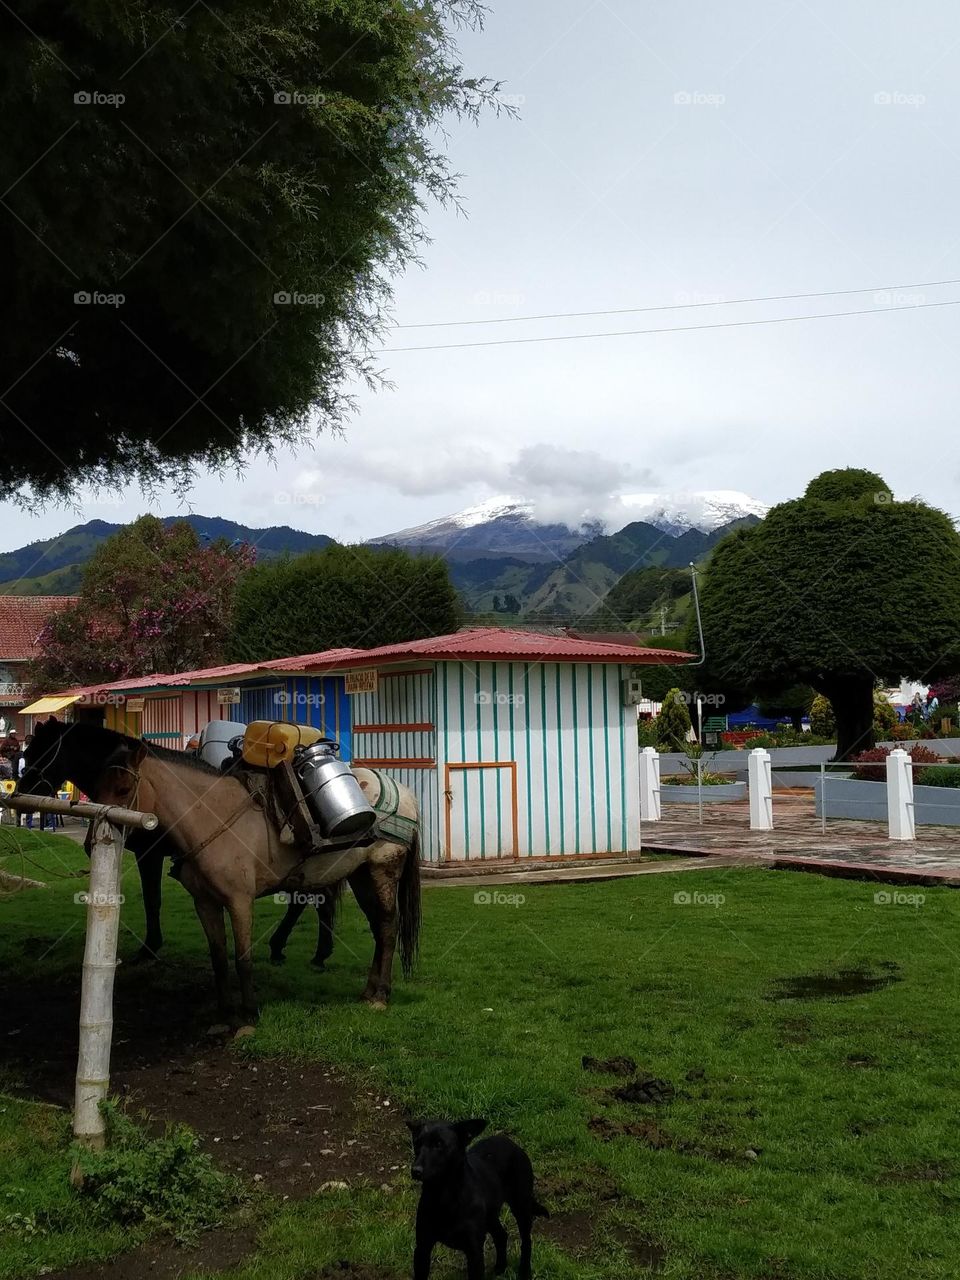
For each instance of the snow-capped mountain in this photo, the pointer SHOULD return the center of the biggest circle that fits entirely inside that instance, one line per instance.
(508, 524)
(706, 509)
(501, 526)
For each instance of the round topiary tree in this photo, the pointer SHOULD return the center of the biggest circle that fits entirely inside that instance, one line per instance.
(816, 593)
(673, 722)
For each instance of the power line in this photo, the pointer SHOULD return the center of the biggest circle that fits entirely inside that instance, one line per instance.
(680, 306)
(684, 328)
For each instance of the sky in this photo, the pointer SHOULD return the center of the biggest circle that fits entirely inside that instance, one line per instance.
(664, 154)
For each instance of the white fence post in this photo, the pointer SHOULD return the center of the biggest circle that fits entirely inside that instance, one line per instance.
(650, 784)
(761, 790)
(901, 820)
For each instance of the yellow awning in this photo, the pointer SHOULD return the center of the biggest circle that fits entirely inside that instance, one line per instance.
(46, 706)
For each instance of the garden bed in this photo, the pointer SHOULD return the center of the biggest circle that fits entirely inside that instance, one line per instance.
(687, 793)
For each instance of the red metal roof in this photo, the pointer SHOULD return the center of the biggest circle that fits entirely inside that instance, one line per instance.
(483, 644)
(477, 644)
(22, 618)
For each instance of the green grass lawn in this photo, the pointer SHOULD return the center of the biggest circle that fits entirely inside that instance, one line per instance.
(848, 1103)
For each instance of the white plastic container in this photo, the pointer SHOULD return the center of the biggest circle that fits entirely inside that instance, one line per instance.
(214, 739)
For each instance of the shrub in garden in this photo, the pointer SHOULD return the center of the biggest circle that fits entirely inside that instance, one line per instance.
(871, 766)
(885, 719)
(673, 722)
(822, 721)
(942, 775)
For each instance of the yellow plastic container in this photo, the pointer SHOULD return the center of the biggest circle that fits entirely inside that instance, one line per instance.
(267, 742)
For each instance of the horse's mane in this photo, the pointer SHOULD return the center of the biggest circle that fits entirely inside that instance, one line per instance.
(178, 757)
(189, 760)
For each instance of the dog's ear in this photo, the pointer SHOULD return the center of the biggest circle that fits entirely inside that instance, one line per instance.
(415, 1127)
(467, 1130)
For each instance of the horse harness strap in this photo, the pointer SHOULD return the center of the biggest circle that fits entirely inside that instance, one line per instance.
(250, 800)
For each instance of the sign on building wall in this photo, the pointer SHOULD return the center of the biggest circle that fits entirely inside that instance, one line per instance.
(228, 697)
(134, 706)
(361, 681)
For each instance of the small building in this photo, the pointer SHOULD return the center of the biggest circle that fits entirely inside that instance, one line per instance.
(22, 618)
(517, 744)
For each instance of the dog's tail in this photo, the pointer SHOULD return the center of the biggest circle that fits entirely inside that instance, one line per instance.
(538, 1210)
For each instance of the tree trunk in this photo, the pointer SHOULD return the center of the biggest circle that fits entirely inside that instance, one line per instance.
(852, 702)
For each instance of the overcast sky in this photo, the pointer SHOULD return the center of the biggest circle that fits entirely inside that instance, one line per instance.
(666, 153)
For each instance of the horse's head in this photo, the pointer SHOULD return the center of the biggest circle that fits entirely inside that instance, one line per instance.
(120, 783)
(103, 764)
(40, 759)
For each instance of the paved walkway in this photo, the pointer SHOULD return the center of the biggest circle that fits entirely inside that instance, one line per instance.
(847, 847)
(585, 872)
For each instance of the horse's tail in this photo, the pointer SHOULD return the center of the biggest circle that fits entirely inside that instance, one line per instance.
(408, 905)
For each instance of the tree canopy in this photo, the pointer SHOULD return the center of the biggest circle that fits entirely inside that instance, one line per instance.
(341, 596)
(154, 598)
(202, 212)
(840, 589)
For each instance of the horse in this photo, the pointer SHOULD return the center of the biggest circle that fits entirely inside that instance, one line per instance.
(230, 853)
(150, 848)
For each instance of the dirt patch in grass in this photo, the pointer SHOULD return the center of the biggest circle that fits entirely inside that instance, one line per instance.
(287, 1127)
(641, 1250)
(647, 1091)
(659, 1139)
(795, 1031)
(165, 1260)
(572, 1231)
(920, 1173)
(650, 1134)
(833, 986)
(619, 1066)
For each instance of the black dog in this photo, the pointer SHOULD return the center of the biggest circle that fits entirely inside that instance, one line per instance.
(464, 1191)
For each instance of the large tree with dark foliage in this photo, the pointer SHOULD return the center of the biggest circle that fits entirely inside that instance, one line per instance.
(840, 589)
(202, 209)
(341, 596)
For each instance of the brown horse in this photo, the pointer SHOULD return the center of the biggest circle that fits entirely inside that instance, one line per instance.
(231, 854)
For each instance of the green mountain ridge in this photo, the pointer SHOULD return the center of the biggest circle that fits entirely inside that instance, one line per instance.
(54, 566)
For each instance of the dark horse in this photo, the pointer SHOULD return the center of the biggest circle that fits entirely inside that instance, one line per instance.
(229, 853)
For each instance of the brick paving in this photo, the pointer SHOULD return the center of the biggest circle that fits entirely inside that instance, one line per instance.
(848, 847)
